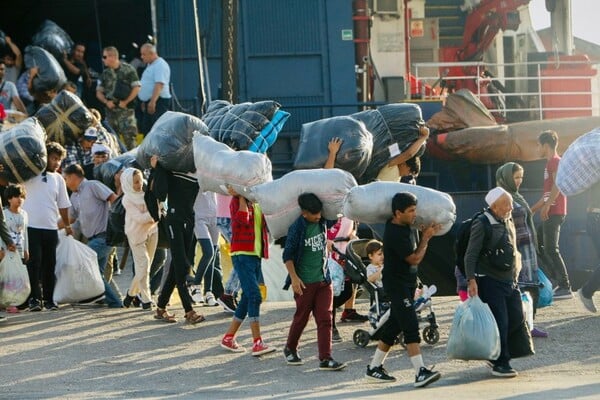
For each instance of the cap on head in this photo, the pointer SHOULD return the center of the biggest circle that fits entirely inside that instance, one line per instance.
(90, 134)
(493, 195)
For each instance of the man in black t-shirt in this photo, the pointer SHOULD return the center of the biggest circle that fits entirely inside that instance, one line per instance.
(403, 251)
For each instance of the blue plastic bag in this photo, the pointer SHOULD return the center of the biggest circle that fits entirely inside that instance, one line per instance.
(474, 334)
(336, 272)
(546, 294)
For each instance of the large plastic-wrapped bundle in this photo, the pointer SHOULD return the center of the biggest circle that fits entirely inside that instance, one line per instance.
(53, 38)
(245, 126)
(354, 154)
(171, 139)
(279, 198)
(579, 168)
(23, 151)
(105, 172)
(372, 204)
(65, 118)
(394, 125)
(218, 165)
(50, 75)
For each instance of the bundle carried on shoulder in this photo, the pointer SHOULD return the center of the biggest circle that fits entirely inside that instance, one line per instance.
(279, 199)
(245, 126)
(77, 272)
(106, 172)
(579, 167)
(395, 125)
(372, 204)
(53, 38)
(65, 118)
(354, 154)
(50, 75)
(23, 151)
(171, 139)
(218, 165)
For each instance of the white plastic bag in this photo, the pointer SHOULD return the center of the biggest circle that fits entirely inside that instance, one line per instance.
(77, 272)
(279, 199)
(527, 308)
(372, 203)
(336, 272)
(217, 164)
(474, 334)
(14, 280)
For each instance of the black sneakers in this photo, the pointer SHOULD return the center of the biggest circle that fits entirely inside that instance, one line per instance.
(50, 306)
(335, 336)
(426, 376)
(227, 302)
(350, 315)
(35, 305)
(379, 374)
(292, 357)
(504, 371)
(331, 365)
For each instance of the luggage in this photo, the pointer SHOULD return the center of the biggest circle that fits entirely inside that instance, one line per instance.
(579, 167)
(217, 165)
(23, 151)
(53, 38)
(171, 139)
(77, 272)
(279, 199)
(65, 118)
(245, 126)
(372, 204)
(354, 154)
(105, 172)
(474, 334)
(50, 74)
(14, 280)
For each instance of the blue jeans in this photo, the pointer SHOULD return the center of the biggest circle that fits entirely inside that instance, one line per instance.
(98, 244)
(248, 270)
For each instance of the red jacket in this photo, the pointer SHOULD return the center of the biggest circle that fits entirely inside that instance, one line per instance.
(243, 237)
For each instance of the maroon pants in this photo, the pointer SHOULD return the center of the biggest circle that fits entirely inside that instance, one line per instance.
(318, 299)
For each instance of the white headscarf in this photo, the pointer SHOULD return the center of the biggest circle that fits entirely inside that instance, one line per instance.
(127, 187)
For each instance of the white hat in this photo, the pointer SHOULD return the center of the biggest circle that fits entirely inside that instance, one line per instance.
(100, 148)
(493, 195)
(91, 133)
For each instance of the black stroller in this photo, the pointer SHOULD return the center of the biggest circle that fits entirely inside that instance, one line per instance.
(355, 269)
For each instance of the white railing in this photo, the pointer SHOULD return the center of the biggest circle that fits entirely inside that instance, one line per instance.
(535, 102)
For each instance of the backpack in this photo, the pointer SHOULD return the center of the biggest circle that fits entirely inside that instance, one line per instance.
(463, 234)
(115, 229)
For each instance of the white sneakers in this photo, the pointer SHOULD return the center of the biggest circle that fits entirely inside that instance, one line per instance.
(210, 300)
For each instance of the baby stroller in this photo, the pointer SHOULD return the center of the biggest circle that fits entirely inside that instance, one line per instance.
(355, 269)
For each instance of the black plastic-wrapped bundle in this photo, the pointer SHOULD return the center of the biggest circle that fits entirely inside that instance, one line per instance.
(23, 151)
(50, 74)
(171, 139)
(65, 118)
(53, 38)
(106, 172)
(239, 125)
(390, 124)
(354, 154)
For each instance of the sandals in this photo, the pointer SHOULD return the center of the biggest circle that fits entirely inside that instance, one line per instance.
(164, 315)
(193, 317)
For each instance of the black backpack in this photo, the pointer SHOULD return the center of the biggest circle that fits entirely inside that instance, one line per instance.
(463, 234)
(115, 230)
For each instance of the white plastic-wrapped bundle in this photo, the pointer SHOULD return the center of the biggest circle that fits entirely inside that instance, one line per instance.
(279, 199)
(217, 165)
(372, 204)
(579, 167)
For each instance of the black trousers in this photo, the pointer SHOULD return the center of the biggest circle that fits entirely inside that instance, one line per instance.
(162, 106)
(42, 263)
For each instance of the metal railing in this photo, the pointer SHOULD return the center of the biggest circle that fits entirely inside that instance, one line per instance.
(528, 95)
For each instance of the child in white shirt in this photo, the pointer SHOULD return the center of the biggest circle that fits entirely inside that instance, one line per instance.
(374, 251)
(16, 220)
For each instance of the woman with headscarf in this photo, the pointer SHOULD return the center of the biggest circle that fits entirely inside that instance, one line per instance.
(142, 235)
(509, 177)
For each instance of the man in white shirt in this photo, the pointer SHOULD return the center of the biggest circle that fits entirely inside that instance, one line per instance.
(154, 93)
(47, 200)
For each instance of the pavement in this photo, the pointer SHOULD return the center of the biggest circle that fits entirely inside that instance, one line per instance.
(101, 353)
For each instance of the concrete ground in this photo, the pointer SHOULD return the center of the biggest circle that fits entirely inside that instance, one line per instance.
(98, 353)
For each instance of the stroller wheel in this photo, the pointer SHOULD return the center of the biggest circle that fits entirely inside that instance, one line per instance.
(361, 338)
(431, 335)
(400, 340)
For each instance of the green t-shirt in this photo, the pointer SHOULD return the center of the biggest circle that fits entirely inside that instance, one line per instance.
(310, 269)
